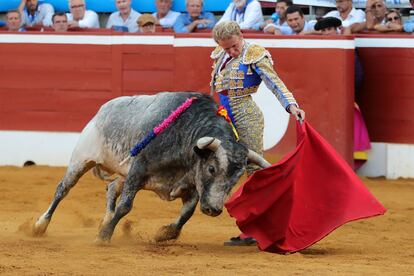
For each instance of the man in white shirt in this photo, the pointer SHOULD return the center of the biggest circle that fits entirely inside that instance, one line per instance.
(80, 17)
(347, 13)
(34, 13)
(164, 15)
(125, 18)
(375, 15)
(297, 25)
(247, 13)
(376, 10)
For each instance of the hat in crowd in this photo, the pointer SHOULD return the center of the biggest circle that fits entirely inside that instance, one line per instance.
(146, 19)
(327, 22)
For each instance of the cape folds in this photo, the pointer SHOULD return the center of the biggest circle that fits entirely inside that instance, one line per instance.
(301, 199)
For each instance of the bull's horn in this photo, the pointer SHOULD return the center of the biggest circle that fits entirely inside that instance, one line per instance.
(209, 143)
(255, 158)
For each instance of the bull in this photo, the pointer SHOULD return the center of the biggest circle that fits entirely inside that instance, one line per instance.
(196, 158)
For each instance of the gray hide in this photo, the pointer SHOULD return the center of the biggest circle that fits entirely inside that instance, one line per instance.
(172, 165)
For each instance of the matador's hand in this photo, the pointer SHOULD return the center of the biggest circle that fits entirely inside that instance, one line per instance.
(297, 112)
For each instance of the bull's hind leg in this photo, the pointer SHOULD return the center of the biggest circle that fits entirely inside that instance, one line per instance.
(72, 175)
(172, 231)
(113, 191)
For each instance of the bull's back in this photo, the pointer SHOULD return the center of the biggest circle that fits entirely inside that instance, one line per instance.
(126, 120)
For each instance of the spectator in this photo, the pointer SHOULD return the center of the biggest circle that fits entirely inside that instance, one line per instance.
(146, 23)
(296, 23)
(347, 13)
(328, 25)
(35, 14)
(375, 13)
(247, 13)
(14, 21)
(2, 24)
(320, 12)
(60, 22)
(80, 17)
(393, 22)
(279, 17)
(164, 15)
(125, 19)
(194, 19)
(409, 25)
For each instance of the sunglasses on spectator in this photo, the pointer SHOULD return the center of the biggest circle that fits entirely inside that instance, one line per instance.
(395, 18)
(77, 6)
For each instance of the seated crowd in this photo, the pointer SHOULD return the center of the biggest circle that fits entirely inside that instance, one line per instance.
(288, 19)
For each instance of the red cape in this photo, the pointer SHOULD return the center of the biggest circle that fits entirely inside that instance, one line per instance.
(301, 199)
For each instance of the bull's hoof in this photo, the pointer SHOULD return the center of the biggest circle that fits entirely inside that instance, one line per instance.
(101, 241)
(105, 221)
(40, 226)
(167, 232)
(103, 238)
(104, 235)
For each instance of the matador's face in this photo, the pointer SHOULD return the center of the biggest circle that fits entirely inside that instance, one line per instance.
(233, 46)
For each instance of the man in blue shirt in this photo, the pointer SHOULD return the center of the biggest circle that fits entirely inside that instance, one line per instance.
(409, 25)
(194, 18)
(34, 13)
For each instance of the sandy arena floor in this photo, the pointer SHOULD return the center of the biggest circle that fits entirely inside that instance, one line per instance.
(378, 246)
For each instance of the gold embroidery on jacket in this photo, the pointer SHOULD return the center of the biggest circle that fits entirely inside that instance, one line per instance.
(254, 53)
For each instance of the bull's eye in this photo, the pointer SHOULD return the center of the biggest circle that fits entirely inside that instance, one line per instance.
(211, 170)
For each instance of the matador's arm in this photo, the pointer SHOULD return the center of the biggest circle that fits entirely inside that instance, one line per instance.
(265, 70)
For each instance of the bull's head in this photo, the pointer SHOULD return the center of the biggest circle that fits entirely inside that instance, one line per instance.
(220, 167)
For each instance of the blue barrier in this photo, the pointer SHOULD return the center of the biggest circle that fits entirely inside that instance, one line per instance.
(109, 5)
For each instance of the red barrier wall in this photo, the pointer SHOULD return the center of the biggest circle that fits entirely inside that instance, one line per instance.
(58, 86)
(387, 98)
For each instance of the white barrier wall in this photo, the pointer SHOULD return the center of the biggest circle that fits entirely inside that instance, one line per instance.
(43, 148)
(389, 160)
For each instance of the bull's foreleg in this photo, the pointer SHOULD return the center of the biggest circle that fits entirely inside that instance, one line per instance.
(133, 183)
(172, 231)
(114, 189)
(70, 179)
